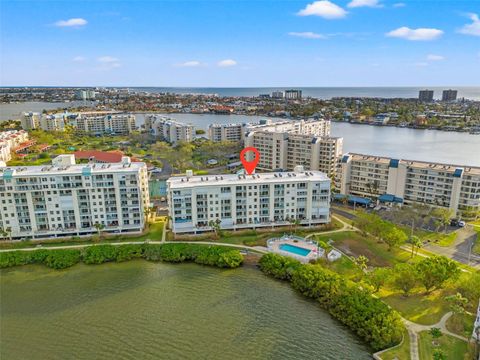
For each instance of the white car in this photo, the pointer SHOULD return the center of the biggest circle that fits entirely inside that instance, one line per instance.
(461, 223)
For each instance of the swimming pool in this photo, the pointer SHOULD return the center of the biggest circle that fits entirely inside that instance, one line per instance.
(294, 249)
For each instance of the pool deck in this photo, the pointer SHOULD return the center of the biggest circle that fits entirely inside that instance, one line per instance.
(274, 244)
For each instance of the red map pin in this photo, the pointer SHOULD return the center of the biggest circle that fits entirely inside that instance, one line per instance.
(249, 165)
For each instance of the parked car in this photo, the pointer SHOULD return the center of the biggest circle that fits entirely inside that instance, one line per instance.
(461, 223)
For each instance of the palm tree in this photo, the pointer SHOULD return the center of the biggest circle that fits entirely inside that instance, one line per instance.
(3, 233)
(99, 227)
(415, 242)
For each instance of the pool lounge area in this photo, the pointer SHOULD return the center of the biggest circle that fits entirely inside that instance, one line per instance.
(297, 247)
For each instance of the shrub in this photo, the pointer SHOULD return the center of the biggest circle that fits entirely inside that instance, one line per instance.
(367, 316)
(61, 259)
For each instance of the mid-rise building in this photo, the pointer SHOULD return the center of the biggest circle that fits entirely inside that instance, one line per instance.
(293, 94)
(10, 140)
(54, 122)
(277, 94)
(97, 122)
(100, 122)
(30, 120)
(85, 95)
(451, 186)
(226, 132)
(449, 95)
(425, 95)
(168, 129)
(65, 199)
(284, 145)
(248, 201)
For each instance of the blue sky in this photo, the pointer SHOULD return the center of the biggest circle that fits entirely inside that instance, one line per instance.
(240, 43)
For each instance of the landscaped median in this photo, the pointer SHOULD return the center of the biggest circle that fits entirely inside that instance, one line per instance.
(211, 255)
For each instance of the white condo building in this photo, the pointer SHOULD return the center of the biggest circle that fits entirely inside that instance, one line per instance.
(65, 199)
(452, 186)
(9, 141)
(226, 132)
(97, 122)
(168, 129)
(282, 146)
(248, 201)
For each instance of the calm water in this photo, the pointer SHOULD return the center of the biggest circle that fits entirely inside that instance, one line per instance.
(411, 144)
(141, 310)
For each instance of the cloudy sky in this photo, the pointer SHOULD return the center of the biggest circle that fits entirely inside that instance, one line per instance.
(240, 43)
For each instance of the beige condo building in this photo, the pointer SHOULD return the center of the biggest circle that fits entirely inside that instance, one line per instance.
(456, 187)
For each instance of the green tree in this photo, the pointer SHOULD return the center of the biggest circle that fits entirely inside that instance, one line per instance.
(457, 303)
(405, 278)
(215, 225)
(99, 227)
(435, 270)
(362, 262)
(378, 278)
(443, 215)
(394, 237)
(435, 332)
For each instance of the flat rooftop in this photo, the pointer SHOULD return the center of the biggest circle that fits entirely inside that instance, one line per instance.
(469, 170)
(78, 169)
(231, 179)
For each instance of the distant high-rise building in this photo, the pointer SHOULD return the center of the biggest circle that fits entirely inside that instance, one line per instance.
(277, 95)
(449, 95)
(293, 94)
(85, 95)
(425, 95)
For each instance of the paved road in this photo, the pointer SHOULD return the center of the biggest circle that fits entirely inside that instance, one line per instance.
(460, 250)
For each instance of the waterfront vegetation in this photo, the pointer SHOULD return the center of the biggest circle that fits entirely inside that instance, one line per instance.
(97, 254)
(370, 318)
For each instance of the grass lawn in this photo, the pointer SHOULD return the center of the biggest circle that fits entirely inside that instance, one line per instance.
(257, 237)
(461, 324)
(355, 244)
(153, 233)
(426, 309)
(476, 247)
(453, 348)
(441, 239)
(401, 352)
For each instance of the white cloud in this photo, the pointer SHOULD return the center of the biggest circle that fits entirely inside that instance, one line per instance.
(109, 62)
(364, 3)
(192, 63)
(79, 59)
(420, 34)
(227, 63)
(433, 57)
(74, 22)
(307, 35)
(324, 9)
(473, 28)
(399, 5)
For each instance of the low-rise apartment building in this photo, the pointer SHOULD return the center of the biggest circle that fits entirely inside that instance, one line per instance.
(10, 140)
(318, 127)
(456, 187)
(168, 129)
(65, 199)
(248, 201)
